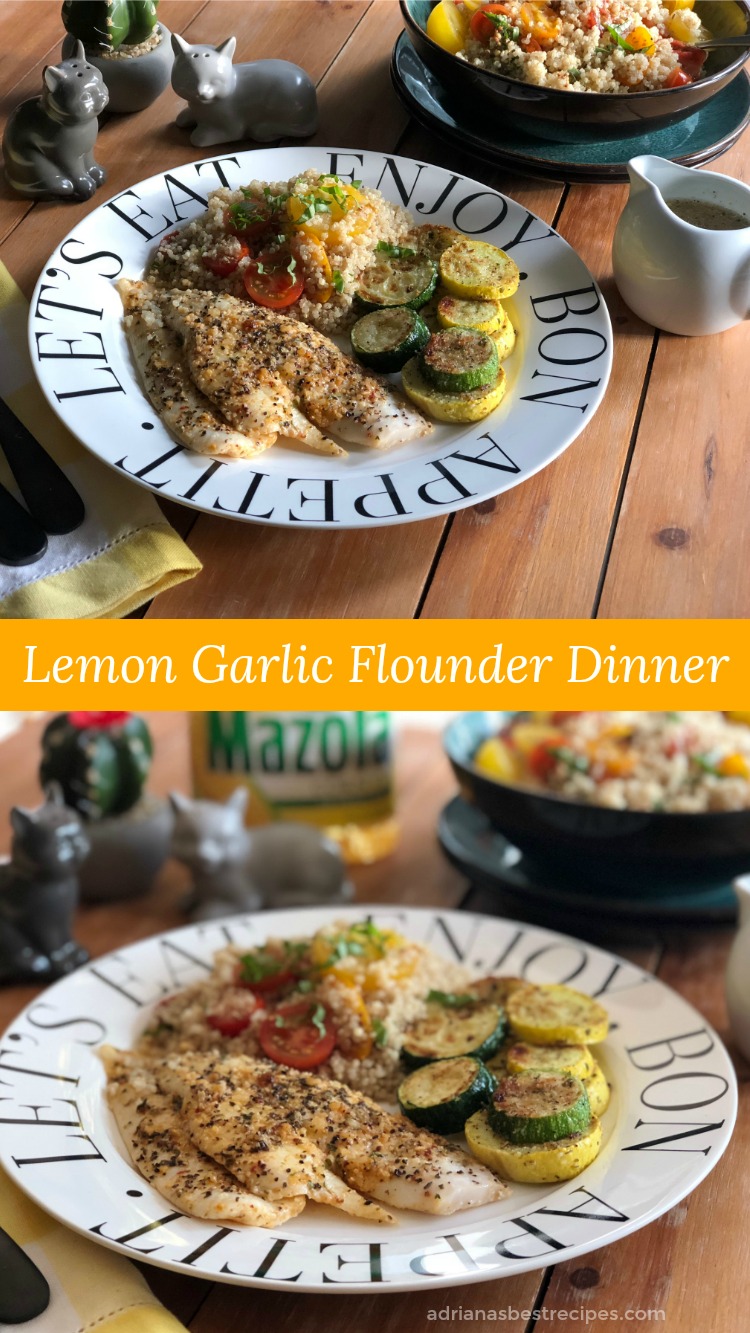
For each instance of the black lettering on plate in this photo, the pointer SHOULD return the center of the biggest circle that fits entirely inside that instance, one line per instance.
(89, 393)
(460, 951)
(668, 1046)
(141, 212)
(172, 181)
(610, 1214)
(374, 1260)
(389, 492)
(336, 170)
(389, 167)
(65, 1157)
(549, 1242)
(70, 355)
(571, 386)
(216, 164)
(87, 258)
(417, 1264)
(685, 1106)
(207, 1245)
(565, 297)
(657, 1145)
(249, 496)
(546, 949)
(267, 1264)
(100, 1034)
(522, 238)
(176, 972)
(35, 1073)
(205, 476)
(484, 459)
(129, 1236)
(326, 499)
(36, 1119)
(142, 473)
(461, 491)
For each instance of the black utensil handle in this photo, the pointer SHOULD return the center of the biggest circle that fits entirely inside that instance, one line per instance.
(50, 495)
(22, 539)
(24, 1291)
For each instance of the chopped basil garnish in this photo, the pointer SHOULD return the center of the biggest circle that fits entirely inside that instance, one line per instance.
(379, 1033)
(577, 763)
(395, 251)
(317, 1018)
(338, 281)
(256, 967)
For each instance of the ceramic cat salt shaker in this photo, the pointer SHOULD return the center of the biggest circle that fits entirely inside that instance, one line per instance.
(48, 145)
(236, 869)
(262, 100)
(39, 892)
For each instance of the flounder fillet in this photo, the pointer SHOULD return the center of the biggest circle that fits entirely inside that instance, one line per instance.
(281, 1130)
(185, 411)
(156, 1137)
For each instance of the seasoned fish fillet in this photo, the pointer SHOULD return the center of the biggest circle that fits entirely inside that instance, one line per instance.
(192, 419)
(155, 1135)
(264, 370)
(272, 1126)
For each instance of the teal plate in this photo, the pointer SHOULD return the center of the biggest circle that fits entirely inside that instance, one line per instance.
(713, 130)
(492, 863)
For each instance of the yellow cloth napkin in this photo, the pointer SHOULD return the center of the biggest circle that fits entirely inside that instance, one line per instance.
(91, 1288)
(124, 553)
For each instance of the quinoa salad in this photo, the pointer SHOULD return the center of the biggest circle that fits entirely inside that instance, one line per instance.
(311, 237)
(581, 46)
(680, 762)
(338, 1002)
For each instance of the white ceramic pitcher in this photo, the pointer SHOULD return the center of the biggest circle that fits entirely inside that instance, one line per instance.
(679, 277)
(738, 971)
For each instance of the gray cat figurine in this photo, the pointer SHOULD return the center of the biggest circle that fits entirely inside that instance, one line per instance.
(236, 869)
(39, 892)
(48, 145)
(263, 100)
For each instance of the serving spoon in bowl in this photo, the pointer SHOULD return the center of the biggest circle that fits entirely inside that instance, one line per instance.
(715, 43)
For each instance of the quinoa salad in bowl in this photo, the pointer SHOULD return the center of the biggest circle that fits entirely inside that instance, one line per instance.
(680, 763)
(578, 45)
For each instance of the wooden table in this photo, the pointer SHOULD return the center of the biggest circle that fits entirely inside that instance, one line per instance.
(692, 1266)
(643, 516)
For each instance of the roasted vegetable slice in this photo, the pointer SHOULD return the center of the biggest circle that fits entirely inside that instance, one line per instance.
(597, 1088)
(474, 405)
(576, 1060)
(533, 1163)
(455, 313)
(457, 360)
(474, 269)
(394, 282)
(545, 1015)
(386, 339)
(504, 338)
(539, 1106)
(441, 1096)
(475, 1029)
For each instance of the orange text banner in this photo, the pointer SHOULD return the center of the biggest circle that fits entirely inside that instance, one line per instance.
(397, 664)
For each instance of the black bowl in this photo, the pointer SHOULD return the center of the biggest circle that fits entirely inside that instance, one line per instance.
(589, 848)
(568, 116)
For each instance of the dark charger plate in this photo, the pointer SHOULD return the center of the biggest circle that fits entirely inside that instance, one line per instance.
(703, 137)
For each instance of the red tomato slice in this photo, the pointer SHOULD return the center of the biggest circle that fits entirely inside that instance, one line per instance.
(221, 265)
(691, 62)
(272, 974)
(558, 718)
(290, 1037)
(541, 760)
(229, 1025)
(482, 28)
(269, 282)
(247, 220)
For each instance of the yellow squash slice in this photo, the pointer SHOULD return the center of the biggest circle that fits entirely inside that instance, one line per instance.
(575, 1059)
(550, 1015)
(597, 1087)
(533, 1163)
(504, 338)
(455, 313)
(474, 269)
(472, 406)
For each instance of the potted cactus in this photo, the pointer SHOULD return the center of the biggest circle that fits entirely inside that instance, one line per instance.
(128, 45)
(102, 762)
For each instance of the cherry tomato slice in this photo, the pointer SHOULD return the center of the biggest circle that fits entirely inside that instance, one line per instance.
(273, 280)
(247, 220)
(261, 972)
(542, 761)
(221, 265)
(229, 1025)
(691, 63)
(483, 28)
(290, 1037)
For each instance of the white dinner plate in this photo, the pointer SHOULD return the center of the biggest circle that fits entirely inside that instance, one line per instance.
(557, 375)
(671, 1116)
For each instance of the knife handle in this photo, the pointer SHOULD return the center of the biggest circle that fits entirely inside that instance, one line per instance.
(24, 1293)
(50, 495)
(22, 539)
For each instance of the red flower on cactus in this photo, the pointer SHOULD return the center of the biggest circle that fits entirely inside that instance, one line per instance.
(97, 721)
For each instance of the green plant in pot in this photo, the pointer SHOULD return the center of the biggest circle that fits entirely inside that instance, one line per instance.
(102, 762)
(127, 43)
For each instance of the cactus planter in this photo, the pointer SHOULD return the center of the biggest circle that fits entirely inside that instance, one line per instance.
(128, 45)
(102, 762)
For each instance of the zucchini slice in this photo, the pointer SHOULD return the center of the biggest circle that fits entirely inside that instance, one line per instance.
(504, 338)
(475, 1029)
(392, 282)
(441, 1096)
(547, 1015)
(386, 339)
(455, 313)
(474, 269)
(432, 239)
(533, 1163)
(576, 1060)
(496, 989)
(457, 360)
(539, 1106)
(598, 1090)
(474, 405)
